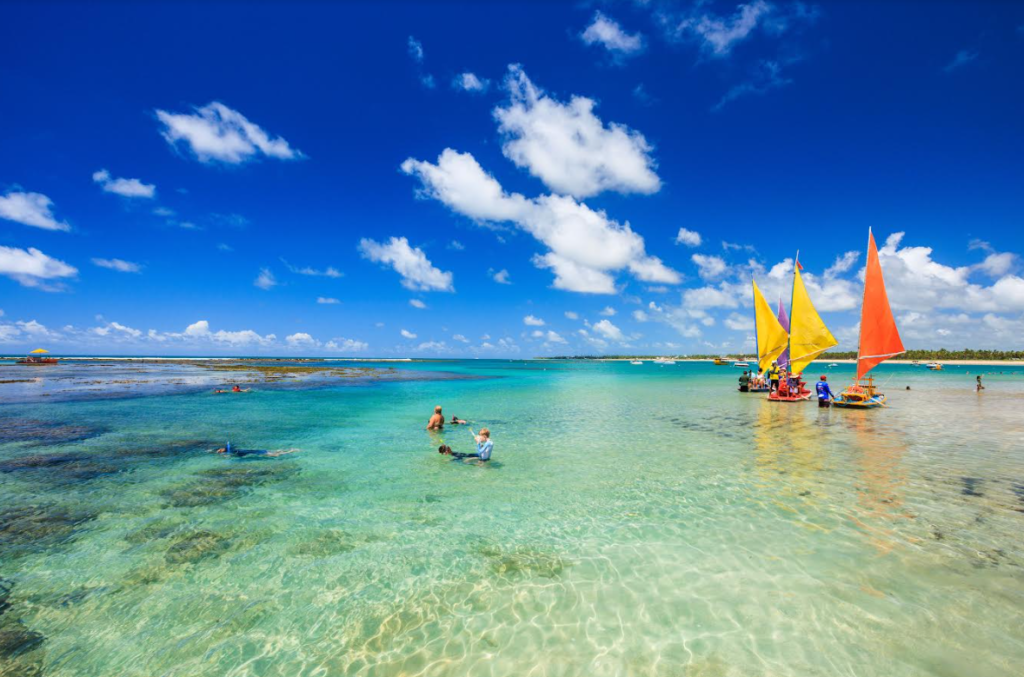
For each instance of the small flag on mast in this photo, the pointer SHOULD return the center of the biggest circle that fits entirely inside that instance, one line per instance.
(798, 266)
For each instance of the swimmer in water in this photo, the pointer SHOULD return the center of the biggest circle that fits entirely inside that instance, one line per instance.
(240, 453)
(484, 447)
(457, 421)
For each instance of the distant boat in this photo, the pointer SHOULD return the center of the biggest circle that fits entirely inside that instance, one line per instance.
(808, 338)
(833, 365)
(934, 366)
(636, 361)
(36, 358)
(663, 360)
(741, 364)
(879, 337)
(719, 362)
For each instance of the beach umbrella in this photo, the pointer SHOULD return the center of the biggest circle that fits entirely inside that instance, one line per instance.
(39, 350)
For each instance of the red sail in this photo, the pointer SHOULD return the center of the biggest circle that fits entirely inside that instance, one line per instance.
(879, 338)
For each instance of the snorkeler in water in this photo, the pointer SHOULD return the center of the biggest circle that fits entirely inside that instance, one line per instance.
(457, 421)
(241, 453)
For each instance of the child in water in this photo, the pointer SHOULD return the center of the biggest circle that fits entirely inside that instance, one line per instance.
(484, 447)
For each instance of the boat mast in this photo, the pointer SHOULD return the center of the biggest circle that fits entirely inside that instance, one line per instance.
(863, 300)
(757, 346)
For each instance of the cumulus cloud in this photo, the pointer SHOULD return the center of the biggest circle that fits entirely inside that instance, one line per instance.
(411, 263)
(608, 311)
(415, 49)
(119, 265)
(532, 321)
(843, 263)
(571, 315)
(216, 133)
(32, 268)
(709, 267)
(30, 209)
(640, 316)
(123, 187)
(690, 238)
(585, 244)
(553, 337)
(416, 303)
(327, 300)
(501, 277)
(608, 330)
(470, 82)
(717, 35)
(738, 322)
(460, 338)
(345, 345)
(568, 147)
(301, 339)
(265, 280)
(608, 33)
(408, 334)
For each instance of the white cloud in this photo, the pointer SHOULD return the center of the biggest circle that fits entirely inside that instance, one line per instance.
(738, 322)
(300, 339)
(216, 133)
(416, 303)
(998, 264)
(640, 316)
(585, 244)
(123, 187)
(718, 35)
(329, 271)
(532, 321)
(456, 245)
(434, 346)
(265, 280)
(470, 82)
(200, 328)
(571, 315)
(412, 264)
(553, 337)
(961, 59)
(30, 209)
(608, 311)
(344, 345)
(460, 338)
(415, 49)
(709, 267)
(115, 329)
(608, 33)
(118, 265)
(244, 337)
(408, 334)
(844, 262)
(608, 330)
(690, 238)
(568, 147)
(501, 277)
(327, 300)
(33, 268)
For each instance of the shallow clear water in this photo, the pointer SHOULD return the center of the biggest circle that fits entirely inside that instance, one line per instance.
(636, 520)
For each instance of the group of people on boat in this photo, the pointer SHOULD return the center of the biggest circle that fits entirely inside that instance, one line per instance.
(484, 445)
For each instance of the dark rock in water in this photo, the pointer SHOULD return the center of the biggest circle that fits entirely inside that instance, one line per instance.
(153, 532)
(971, 486)
(32, 528)
(172, 449)
(40, 433)
(197, 545)
(36, 461)
(216, 485)
(5, 595)
(61, 469)
(16, 640)
(524, 561)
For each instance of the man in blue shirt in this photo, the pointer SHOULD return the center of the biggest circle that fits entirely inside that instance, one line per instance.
(825, 395)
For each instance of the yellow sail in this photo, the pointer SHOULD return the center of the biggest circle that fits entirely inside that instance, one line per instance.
(808, 335)
(771, 337)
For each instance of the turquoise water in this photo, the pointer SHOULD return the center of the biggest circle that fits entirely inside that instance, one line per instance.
(637, 520)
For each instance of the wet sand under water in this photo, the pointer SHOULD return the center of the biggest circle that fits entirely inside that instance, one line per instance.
(637, 521)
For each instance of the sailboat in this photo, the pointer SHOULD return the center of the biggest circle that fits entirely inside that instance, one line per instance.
(770, 338)
(808, 338)
(879, 337)
(784, 321)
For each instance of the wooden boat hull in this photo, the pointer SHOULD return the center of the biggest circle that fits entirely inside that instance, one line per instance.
(876, 402)
(800, 397)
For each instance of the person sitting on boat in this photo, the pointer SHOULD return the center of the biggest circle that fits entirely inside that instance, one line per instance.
(825, 395)
(436, 421)
(484, 447)
(773, 375)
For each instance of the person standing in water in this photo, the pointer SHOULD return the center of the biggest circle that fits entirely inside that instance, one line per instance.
(825, 395)
(436, 421)
(979, 387)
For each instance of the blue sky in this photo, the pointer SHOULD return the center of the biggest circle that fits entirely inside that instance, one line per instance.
(490, 179)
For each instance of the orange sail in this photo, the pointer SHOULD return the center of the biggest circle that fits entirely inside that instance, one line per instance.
(879, 338)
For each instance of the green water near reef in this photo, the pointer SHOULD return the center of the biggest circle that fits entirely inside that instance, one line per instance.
(636, 520)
